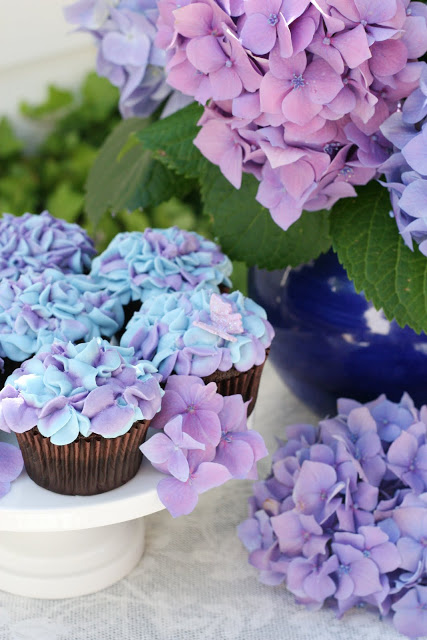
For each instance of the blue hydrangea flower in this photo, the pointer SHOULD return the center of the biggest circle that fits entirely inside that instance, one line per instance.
(125, 31)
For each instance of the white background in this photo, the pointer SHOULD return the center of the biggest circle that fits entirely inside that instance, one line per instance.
(37, 48)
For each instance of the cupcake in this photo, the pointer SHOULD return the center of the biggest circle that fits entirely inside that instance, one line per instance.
(221, 338)
(39, 307)
(137, 265)
(80, 413)
(40, 242)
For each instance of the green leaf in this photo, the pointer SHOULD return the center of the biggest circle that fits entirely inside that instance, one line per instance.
(247, 232)
(65, 202)
(56, 99)
(171, 141)
(9, 142)
(115, 184)
(99, 95)
(128, 180)
(375, 257)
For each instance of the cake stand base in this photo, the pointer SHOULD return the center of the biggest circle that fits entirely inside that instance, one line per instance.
(65, 564)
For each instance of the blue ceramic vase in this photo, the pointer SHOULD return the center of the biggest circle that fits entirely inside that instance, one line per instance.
(331, 343)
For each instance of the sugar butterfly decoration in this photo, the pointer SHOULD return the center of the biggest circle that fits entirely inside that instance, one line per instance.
(224, 323)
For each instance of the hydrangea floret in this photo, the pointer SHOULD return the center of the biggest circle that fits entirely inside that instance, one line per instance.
(40, 242)
(179, 334)
(11, 465)
(39, 307)
(139, 265)
(342, 518)
(124, 32)
(69, 390)
(406, 169)
(203, 442)
(295, 91)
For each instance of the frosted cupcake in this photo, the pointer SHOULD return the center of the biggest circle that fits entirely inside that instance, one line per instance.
(222, 338)
(137, 265)
(39, 307)
(80, 413)
(41, 242)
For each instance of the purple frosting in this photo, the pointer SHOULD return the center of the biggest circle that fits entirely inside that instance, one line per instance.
(137, 266)
(68, 389)
(39, 307)
(42, 241)
(164, 331)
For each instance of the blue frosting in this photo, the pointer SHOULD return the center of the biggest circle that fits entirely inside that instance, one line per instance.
(39, 307)
(163, 331)
(68, 389)
(139, 265)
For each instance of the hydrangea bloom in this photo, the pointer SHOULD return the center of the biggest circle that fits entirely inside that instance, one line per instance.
(406, 169)
(342, 519)
(41, 241)
(205, 442)
(139, 265)
(67, 390)
(296, 91)
(39, 307)
(124, 31)
(11, 465)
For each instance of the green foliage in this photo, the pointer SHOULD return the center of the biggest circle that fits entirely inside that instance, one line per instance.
(54, 176)
(171, 142)
(248, 233)
(56, 100)
(9, 143)
(376, 258)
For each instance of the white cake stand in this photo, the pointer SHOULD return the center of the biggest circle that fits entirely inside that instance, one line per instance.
(54, 546)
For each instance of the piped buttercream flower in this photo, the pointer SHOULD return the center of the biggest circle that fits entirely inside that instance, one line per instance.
(69, 390)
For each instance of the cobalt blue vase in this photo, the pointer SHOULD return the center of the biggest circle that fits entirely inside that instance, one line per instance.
(331, 343)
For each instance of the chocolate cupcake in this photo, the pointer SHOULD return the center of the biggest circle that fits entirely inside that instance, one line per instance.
(40, 242)
(138, 265)
(221, 338)
(80, 413)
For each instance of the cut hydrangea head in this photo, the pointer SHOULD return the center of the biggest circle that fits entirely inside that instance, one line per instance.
(346, 529)
(205, 442)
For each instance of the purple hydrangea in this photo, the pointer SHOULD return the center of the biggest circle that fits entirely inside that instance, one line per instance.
(11, 465)
(342, 519)
(406, 169)
(205, 441)
(39, 307)
(40, 242)
(125, 31)
(296, 92)
(67, 390)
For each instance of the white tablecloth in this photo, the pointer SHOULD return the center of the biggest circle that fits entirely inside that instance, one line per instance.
(194, 581)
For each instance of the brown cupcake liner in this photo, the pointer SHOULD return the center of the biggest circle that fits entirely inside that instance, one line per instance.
(246, 383)
(85, 467)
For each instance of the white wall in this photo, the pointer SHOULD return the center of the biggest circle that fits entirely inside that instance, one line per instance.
(37, 48)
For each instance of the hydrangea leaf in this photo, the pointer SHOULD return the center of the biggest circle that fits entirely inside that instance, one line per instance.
(171, 141)
(244, 228)
(126, 179)
(247, 232)
(375, 257)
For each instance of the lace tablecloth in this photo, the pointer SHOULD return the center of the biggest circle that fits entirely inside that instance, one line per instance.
(194, 581)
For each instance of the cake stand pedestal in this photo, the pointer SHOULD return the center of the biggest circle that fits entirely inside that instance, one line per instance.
(54, 546)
